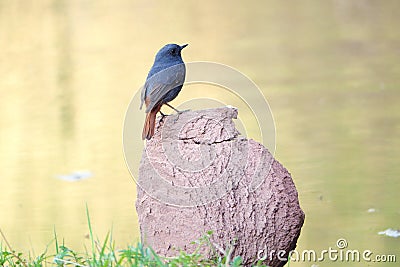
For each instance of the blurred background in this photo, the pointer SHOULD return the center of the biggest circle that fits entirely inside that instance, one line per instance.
(330, 71)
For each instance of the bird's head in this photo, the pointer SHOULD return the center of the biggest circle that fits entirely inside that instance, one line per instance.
(170, 53)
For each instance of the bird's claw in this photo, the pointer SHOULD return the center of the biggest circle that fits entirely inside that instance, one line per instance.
(162, 116)
(182, 111)
(179, 113)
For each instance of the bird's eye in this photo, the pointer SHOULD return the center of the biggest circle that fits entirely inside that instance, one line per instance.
(173, 51)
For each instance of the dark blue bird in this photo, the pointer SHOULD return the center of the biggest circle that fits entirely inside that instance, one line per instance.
(163, 84)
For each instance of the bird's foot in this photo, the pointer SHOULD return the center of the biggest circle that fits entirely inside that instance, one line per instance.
(178, 113)
(162, 116)
(182, 111)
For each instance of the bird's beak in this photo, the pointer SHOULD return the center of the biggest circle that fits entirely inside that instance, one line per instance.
(183, 46)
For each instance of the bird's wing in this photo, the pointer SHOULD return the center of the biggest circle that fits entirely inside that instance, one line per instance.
(163, 82)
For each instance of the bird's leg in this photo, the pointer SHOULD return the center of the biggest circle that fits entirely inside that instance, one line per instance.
(177, 111)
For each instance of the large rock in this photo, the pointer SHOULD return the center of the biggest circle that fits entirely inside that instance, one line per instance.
(197, 174)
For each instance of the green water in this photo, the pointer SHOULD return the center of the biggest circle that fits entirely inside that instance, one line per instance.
(329, 69)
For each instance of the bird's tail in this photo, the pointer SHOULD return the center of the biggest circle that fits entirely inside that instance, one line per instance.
(150, 123)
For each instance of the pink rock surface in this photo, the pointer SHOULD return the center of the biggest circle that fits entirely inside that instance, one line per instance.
(197, 174)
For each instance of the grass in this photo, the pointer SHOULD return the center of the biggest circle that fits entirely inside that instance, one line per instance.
(105, 254)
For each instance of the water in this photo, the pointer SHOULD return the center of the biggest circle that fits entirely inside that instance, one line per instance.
(329, 69)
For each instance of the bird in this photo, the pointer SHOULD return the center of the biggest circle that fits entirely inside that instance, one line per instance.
(163, 84)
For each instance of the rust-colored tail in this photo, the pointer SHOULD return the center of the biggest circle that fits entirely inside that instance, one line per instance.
(150, 123)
